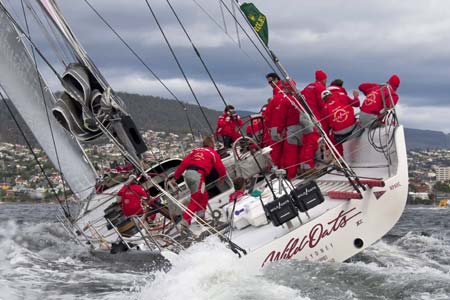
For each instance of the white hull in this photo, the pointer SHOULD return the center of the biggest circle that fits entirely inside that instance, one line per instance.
(332, 235)
(335, 230)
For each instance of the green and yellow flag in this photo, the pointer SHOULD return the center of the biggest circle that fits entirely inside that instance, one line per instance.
(258, 21)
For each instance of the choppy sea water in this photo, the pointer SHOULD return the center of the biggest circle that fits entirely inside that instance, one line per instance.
(38, 261)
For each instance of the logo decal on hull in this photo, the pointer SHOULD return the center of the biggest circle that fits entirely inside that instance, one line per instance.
(395, 186)
(379, 194)
(313, 238)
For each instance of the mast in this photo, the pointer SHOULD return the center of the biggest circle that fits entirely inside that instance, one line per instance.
(55, 15)
(29, 93)
(345, 168)
(118, 122)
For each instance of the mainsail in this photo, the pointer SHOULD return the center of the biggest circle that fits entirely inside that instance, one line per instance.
(27, 90)
(88, 90)
(57, 18)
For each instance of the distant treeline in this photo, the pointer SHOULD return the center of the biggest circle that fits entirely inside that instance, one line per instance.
(158, 114)
(168, 115)
(148, 112)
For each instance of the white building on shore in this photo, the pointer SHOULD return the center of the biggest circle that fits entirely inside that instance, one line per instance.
(442, 173)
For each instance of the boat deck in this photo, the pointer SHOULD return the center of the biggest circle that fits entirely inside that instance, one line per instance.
(366, 166)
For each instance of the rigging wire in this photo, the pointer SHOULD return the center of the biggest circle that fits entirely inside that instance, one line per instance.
(223, 18)
(46, 109)
(249, 38)
(389, 118)
(12, 9)
(235, 25)
(179, 66)
(28, 38)
(63, 46)
(203, 223)
(52, 188)
(371, 132)
(53, 43)
(339, 160)
(226, 33)
(127, 45)
(197, 53)
(211, 78)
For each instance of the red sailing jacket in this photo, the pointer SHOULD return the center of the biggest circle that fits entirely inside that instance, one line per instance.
(341, 114)
(255, 127)
(292, 114)
(204, 158)
(312, 93)
(373, 104)
(266, 136)
(131, 195)
(275, 112)
(228, 126)
(343, 96)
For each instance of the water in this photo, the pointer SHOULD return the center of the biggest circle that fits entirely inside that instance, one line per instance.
(38, 261)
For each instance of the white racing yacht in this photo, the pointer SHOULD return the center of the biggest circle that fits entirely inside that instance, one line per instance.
(331, 214)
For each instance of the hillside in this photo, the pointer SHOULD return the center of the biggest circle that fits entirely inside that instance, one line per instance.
(168, 115)
(162, 114)
(423, 139)
(148, 112)
(8, 129)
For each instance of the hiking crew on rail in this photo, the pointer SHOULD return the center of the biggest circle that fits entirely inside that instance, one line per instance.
(292, 136)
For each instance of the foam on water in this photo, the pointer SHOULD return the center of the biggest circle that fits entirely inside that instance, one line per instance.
(38, 261)
(210, 271)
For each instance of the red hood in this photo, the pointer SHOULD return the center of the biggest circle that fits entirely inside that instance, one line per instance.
(394, 81)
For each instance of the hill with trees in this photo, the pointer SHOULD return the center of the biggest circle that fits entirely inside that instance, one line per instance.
(161, 114)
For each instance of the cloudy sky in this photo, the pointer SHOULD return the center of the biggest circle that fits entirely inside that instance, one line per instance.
(357, 41)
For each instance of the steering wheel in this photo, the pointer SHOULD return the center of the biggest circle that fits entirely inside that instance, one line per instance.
(243, 146)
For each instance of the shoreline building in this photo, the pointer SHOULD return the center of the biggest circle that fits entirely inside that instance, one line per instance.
(442, 173)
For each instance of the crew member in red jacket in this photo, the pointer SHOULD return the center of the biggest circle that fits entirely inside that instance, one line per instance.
(131, 197)
(197, 165)
(378, 99)
(342, 121)
(310, 144)
(228, 125)
(257, 128)
(274, 118)
(295, 124)
(312, 93)
(266, 140)
(337, 88)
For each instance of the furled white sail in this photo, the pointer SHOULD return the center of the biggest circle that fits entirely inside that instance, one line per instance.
(26, 89)
(125, 130)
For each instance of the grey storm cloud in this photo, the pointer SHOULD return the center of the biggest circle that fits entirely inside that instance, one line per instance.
(354, 40)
